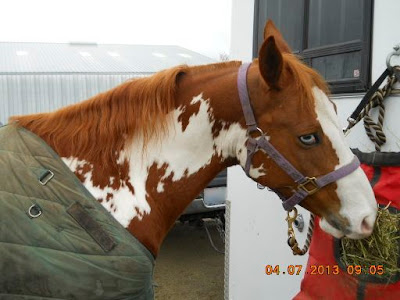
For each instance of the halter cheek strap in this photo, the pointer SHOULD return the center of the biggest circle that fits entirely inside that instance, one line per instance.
(305, 185)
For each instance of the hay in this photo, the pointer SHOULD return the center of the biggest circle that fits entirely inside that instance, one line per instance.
(381, 248)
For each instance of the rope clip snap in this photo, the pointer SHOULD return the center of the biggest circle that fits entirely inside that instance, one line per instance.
(396, 52)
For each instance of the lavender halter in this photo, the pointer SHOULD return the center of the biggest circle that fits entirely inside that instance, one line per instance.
(305, 185)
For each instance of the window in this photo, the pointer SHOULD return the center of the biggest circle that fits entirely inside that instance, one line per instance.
(332, 36)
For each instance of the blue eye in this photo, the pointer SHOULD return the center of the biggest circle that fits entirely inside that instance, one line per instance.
(309, 139)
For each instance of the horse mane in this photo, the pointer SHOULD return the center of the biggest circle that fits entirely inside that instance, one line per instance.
(215, 66)
(305, 79)
(97, 129)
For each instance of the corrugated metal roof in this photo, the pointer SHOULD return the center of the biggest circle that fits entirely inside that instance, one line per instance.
(30, 93)
(40, 77)
(93, 58)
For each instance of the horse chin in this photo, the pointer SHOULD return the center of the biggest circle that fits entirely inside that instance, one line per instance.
(328, 228)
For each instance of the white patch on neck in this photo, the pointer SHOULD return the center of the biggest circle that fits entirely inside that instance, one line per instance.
(125, 211)
(197, 98)
(184, 152)
(160, 187)
(354, 191)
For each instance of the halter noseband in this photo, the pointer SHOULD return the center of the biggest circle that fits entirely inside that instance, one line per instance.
(305, 185)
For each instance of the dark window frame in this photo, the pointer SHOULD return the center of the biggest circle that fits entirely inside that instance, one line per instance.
(347, 85)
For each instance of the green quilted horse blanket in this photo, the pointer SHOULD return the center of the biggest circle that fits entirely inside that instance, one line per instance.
(56, 240)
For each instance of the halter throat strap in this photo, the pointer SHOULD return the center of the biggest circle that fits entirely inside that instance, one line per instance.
(305, 185)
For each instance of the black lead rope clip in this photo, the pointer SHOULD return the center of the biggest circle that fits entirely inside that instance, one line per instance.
(351, 122)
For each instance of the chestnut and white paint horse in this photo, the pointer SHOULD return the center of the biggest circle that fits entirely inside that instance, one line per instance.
(146, 148)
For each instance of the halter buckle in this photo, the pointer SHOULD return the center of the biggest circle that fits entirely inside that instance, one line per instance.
(305, 186)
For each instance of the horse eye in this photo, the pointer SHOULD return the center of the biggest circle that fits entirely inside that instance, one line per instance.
(309, 139)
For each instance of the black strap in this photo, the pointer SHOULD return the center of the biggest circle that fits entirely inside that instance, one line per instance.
(78, 212)
(378, 159)
(368, 95)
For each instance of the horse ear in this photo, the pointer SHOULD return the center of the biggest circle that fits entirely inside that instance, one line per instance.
(270, 62)
(271, 30)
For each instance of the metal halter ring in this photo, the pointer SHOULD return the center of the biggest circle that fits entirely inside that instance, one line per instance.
(34, 211)
(258, 129)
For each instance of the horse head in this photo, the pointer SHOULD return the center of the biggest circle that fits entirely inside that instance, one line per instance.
(294, 114)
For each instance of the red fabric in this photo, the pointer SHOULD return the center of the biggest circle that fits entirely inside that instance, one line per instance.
(343, 286)
(388, 187)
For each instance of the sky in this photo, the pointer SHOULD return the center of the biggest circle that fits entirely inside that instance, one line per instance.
(201, 26)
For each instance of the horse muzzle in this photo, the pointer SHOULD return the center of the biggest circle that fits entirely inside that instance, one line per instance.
(356, 228)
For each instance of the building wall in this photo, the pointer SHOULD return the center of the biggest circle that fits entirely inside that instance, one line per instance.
(242, 30)
(31, 93)
(385, 34)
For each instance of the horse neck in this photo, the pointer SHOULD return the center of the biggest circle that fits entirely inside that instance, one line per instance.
(201, 140)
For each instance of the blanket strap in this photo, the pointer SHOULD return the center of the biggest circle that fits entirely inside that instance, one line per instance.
(78, 212)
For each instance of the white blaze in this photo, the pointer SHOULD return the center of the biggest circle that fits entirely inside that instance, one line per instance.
(354, 191)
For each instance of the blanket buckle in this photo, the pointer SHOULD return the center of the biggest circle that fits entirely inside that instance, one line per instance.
(45, 177)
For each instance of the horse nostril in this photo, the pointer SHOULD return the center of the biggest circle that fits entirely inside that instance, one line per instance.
(366, 227)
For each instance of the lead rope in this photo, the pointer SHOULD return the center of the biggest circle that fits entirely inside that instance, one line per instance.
(374, 129)
(292, 242)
